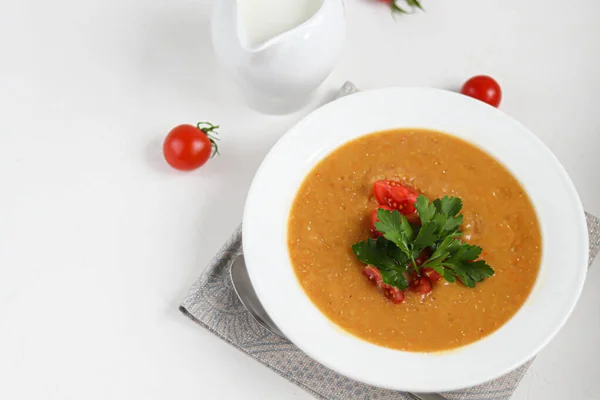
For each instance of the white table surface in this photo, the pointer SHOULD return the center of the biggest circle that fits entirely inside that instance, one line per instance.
(100, 239)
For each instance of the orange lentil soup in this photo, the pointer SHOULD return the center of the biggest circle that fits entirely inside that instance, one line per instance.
(331, 212)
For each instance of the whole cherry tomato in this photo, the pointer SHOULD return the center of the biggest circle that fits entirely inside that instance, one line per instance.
(188, 147)
(484, 88)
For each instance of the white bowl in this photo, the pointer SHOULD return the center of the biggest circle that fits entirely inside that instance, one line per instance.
(562, 222)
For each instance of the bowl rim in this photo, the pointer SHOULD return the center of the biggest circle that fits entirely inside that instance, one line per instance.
(259, 227)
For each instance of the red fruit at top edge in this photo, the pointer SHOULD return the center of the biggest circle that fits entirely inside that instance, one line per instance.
(483, 88)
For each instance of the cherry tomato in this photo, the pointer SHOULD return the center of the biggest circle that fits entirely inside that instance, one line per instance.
(420, 284)
(393, 293)
(396, 195)
(484, 88)
(374, 219)
(188, 147)
(432, 274)
(373, 275)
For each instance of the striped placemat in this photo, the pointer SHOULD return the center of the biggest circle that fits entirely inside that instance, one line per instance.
(213, 304)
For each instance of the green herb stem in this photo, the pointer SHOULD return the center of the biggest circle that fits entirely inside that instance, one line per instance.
(393, 253)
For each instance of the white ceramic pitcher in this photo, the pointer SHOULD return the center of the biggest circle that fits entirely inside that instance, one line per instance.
(278, 56)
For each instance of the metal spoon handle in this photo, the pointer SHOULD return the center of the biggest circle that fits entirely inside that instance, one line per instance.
(244, 290)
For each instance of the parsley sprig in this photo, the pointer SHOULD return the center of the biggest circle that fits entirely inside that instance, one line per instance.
(395, 252)
(411, 3)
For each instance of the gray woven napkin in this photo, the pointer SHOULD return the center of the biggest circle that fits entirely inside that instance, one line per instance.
(213, 304)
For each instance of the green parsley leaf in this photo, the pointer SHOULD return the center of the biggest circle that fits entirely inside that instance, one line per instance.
(425, 209)
(425, 238)
(374, 252)
(441, 252)
(450, 206)
(387, 257)
(395, 228)
(395, 277)
(446, 216)
(471, 273)
(441, 212)
(463, 265)
(395, 252)
(412, 3)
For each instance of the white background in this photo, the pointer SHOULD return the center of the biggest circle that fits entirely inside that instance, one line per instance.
(100, 239)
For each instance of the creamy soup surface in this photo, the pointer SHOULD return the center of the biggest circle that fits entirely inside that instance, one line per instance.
(331, 212)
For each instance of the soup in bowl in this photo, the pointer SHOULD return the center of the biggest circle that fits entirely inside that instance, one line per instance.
(415, 239)
(334, 210)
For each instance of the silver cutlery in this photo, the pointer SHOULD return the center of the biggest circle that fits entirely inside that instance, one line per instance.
(244, 290)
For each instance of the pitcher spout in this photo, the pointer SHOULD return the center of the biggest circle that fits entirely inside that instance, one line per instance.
(278, 51)
(264, 23)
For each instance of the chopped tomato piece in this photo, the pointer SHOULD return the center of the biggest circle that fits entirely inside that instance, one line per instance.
(375, 219)
(381, 191)
(396, 195)
(423, 256)
(420, 284)
(432, 274)
(373, 275)
(393, 293)
(413, 218)
(404, 198)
